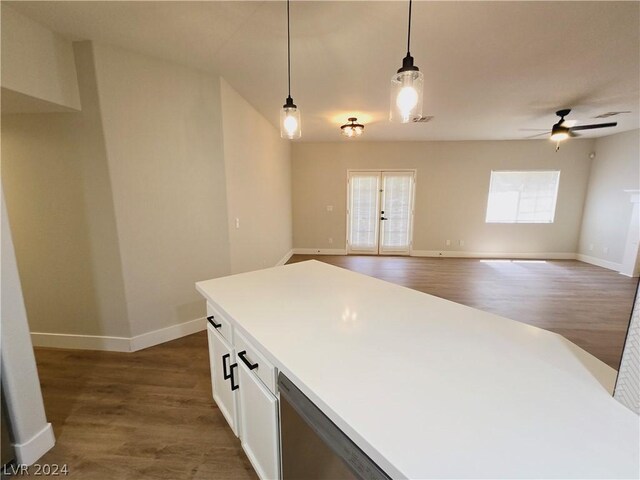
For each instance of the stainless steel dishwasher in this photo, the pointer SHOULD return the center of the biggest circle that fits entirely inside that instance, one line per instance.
(313, 447)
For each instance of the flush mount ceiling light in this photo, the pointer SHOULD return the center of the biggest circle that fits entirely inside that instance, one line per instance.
(290, 114)
(352, 129)
(406, 87)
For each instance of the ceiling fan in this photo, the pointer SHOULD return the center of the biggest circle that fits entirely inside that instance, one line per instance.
(563, 129)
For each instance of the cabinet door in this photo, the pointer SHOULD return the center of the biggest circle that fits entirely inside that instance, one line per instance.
(221, 357)
(259, 428)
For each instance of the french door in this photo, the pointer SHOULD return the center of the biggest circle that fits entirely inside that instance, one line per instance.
(380, 212)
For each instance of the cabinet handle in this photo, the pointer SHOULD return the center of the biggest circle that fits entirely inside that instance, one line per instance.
(211, 321)
(243, 357)
(234, 386)
(226, 375)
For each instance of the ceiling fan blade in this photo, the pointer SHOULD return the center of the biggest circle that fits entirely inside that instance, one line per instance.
(533, 129)
(591, 127)
(572, 134)
(539, 134)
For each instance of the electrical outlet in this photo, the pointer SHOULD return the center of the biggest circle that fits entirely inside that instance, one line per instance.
(591, 247)
(461, 243)
(447, 243)
(329, 208)
(330, 240)
(605, 250)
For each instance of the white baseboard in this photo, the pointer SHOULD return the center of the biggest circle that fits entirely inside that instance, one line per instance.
(599, 262)
(31, 451)
(465, 254)
(449, 254)
(118, 344)
(285, 259)
(167, 334)
(320, 251)
(81, 342)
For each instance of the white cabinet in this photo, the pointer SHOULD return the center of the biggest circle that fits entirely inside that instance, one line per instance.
(224, 376)
(244, 387)
(259, 427)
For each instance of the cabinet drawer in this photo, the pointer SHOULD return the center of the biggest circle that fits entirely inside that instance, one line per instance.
(219, 322)
(264, 370)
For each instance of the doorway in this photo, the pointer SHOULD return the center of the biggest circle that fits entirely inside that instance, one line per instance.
(380, 211)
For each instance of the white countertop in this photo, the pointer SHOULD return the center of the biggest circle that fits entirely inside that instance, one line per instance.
(429, 388)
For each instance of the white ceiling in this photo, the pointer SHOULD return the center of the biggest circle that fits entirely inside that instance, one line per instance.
(491, 69)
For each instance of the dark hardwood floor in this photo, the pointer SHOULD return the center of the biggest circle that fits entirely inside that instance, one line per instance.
(142, 415)
(150, 415)
(589, 305)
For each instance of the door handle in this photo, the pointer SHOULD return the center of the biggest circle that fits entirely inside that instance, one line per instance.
(225, 357)
(243, 357)
(234, 386)
(383, 218)
(212, 322)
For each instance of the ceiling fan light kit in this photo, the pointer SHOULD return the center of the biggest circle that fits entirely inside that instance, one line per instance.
(290, 124)
(352, 129)
(559, 133)
(407, 86)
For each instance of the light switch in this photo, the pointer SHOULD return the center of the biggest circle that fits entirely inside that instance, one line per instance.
(237, 222)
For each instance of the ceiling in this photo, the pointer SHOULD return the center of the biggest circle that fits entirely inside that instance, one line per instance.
(492, 69)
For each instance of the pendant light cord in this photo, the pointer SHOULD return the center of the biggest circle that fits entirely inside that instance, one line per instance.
(409, 29)
(288, 51)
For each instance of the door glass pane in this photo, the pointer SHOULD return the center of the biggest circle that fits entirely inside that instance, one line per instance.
(363, 215)
(397, 197)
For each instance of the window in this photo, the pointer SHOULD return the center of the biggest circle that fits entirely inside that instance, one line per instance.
(523, 197)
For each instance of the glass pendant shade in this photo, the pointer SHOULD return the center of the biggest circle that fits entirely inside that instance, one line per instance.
(352, 131)
(290, 126)
(406, 96)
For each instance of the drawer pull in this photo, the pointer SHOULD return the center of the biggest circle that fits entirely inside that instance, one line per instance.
(226, 375)
(243, 357)
(234, 386)
(212, 322)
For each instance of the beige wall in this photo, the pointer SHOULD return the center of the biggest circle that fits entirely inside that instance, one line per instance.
(608, 208)
(36, 62)
(451, 192)
(59, 198)
(163, 131)
(258, 173)
(120, 208)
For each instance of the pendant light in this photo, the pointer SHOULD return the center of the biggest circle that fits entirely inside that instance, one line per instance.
(406, 88)
(352, 129)
(290, 114)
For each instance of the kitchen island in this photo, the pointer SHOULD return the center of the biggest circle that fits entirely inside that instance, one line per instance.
(427, 388)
